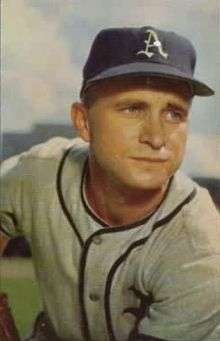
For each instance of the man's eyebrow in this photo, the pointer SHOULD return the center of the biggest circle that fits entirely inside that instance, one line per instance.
(178, 107)
(130, 101)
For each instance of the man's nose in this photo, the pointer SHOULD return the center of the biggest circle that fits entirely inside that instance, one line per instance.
(152, 133)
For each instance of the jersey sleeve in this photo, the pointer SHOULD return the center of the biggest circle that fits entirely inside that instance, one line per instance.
(10, 197)
(186, 281)
(21, 178)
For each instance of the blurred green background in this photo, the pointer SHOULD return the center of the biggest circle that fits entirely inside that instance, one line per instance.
(18, 281)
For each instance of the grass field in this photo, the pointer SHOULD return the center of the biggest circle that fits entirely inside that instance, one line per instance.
(18, 281)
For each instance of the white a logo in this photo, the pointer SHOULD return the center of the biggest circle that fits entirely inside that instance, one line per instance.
(153, 41)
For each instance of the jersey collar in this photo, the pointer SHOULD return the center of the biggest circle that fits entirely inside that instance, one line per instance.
(182, 190)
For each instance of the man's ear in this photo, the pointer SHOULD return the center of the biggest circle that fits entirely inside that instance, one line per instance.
(79, 116)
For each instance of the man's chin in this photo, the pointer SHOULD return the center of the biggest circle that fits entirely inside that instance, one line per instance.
(150, 181)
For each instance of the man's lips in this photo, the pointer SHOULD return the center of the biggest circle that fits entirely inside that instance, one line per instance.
(150, 159)
(162, 155)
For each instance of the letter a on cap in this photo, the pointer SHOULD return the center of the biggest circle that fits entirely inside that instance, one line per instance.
(153, 41)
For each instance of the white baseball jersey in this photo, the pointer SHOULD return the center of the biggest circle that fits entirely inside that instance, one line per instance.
(156, 277)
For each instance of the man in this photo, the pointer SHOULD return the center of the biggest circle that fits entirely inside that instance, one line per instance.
(125, 247)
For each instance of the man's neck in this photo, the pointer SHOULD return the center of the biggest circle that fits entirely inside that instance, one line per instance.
(117, 205)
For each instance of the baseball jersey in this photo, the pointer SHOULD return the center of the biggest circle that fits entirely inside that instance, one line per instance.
(158, 277)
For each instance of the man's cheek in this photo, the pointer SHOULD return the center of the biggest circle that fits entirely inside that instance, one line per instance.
(178, 140)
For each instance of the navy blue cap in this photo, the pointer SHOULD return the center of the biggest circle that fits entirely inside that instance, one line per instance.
(144, 51)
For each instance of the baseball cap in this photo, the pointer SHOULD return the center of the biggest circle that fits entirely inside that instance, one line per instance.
(145, 51)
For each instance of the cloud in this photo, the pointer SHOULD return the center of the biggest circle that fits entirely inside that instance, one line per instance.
(202, 155)
(38, 73)
(129, 11)
(195, 18)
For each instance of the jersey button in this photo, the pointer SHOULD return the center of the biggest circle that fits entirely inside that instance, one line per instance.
(94, 297)
(97, 240)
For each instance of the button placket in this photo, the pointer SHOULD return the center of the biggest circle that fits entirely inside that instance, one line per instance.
(98, 264)
(94, 297)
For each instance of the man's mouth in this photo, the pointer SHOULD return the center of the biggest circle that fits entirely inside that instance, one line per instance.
(150, 159)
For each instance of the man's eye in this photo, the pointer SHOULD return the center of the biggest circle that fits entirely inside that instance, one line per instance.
(175, 116)
(133, 109)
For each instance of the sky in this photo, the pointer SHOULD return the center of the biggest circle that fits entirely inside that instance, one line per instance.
(45, 44)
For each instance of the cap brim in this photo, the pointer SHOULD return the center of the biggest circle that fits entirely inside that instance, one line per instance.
(151, 69)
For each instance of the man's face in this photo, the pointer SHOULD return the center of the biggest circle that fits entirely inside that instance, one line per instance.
(138, 133)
